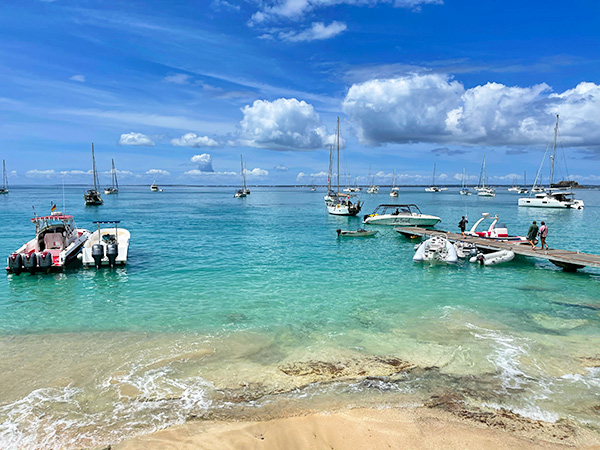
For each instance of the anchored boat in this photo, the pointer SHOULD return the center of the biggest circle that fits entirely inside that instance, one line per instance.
(436, 249)
(358, 233)
(106, 246)
(56, 243)
(400, 215)
(114, 188)
(92, 196)
(496, 231)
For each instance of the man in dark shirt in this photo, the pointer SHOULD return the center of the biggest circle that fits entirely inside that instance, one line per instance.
(463, 225)
(532, 234)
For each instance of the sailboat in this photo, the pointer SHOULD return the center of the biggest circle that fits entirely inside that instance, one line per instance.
(373, 189)
(433, 187)
(313, 188)
(241, 193)
(114, 188)
(464, 190)
(92, 196)
(337, 203)
(524, 190)
(4, 188)
(394, 190)
(552, 198)
(485, 191)
(514, 187)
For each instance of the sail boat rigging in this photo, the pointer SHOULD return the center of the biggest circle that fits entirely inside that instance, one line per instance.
(92, 196)
(241, 193)
(394, 190)
(553, 198)
(114, 188)
(4, 189)
(483, 190)
(433, 187)
(337, 203)
(464, 190)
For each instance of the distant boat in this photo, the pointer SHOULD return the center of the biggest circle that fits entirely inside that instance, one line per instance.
(337, 203)
(4, 188)
(313, 188)
(373, 189)
(358, 233)
(524, 190)
(483, 190)
(154, 187)
(92, 196)
(433, 187)
(114, 188)
(553, 198)
(394, 190)
(241, 193)
(464, 190)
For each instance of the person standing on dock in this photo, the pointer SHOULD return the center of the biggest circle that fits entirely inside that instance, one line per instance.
(462, 225)
(532, 234)
(543, 235)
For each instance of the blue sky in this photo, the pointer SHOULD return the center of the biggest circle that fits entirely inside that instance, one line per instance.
(175, 91)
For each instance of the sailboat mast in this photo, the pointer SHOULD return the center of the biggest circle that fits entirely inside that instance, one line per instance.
(242, 169)
(433, 179)
(329, 174)
(115, 183)
(244, 177)
(483, 172)
(553, 153)
(94, 173)
(338, 155)
(4, 179)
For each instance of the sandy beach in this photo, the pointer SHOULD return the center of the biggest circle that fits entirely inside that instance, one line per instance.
(361, 429)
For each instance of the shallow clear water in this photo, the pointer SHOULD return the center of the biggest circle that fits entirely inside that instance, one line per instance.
(220, 293)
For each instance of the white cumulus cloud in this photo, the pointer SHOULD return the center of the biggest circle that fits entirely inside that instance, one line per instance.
(435, 108)
(317, 32)
(284, 124)
(136, 139)
(193, 140)
(256, 172)
(158, 172)
(204, 162)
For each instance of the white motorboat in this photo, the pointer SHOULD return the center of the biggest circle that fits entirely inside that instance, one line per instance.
(394, 190)
(496, 231)
(491, 259)
(56, 243)
(4, 189)
(154, 187)
(106, 246)
(436, 249)
(373, 189)
(358, 233)
(337, 203)
(400, 215)
(465, 249)
(552, 198)
(433, 187)
(114, 188)
(92, 196)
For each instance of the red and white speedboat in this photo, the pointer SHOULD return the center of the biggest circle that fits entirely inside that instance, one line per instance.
(496, 231)
(56, 243)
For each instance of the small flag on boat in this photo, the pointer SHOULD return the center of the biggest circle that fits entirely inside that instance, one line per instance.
(53, 208)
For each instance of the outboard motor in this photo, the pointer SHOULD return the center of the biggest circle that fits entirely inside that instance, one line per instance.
(45, 261)
(481, 259)
(473, 252)
(97, 254)
(30, 262)
(112, 250)
(15, 263)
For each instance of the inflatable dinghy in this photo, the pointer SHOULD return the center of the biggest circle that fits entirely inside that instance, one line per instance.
(436, 248)
(491, 259)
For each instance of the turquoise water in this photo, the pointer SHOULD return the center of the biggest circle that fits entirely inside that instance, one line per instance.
(221, 293)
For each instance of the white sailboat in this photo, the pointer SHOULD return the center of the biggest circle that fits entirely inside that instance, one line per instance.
(483, 190)
(552, 198)
(337, 203)
(433, 187)
(241, 193)
(524, 190)
(464, 190)
(114, 188)
(4, 189)
(394, 190)
(92, 196)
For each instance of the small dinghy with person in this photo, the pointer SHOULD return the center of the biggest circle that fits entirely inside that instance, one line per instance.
(358, 233)
(106, 246)
(436, 249)
(491, 259)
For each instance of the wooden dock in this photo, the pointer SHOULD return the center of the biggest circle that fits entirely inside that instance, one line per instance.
(568, 260)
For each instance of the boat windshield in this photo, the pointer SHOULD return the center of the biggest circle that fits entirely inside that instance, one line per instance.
(397, 209)
(48, 222)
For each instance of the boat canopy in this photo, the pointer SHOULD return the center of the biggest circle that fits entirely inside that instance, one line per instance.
(60, 217)
(397, 209)
(106, 221)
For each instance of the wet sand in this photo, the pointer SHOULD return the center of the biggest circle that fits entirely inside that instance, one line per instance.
(428, 428)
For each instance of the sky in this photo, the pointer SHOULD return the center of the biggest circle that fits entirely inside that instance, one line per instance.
(175, 91)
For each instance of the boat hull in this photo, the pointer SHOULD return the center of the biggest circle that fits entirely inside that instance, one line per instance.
(550, 203)
(403, 221)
